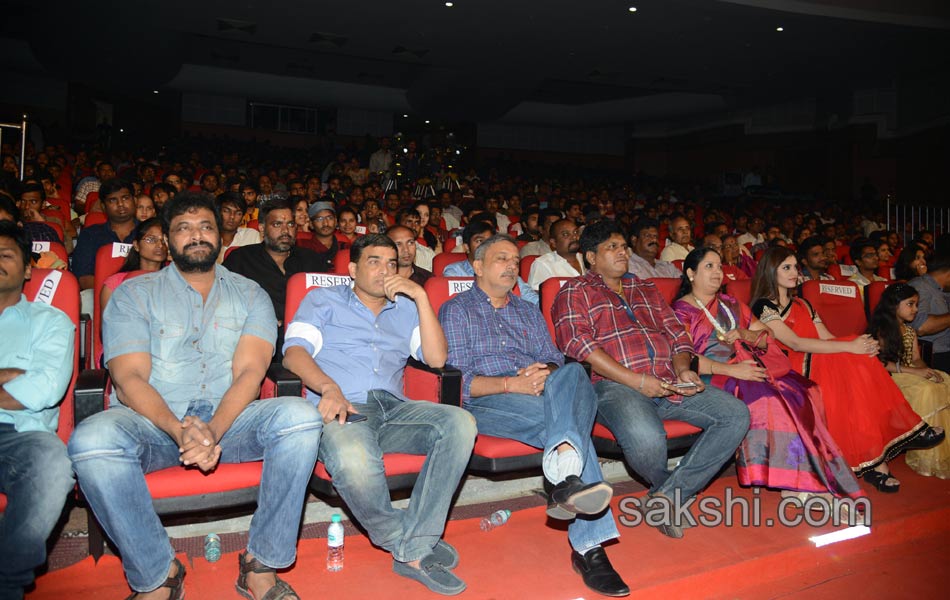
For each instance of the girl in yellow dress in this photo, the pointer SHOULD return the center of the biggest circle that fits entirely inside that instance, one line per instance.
(927, 390)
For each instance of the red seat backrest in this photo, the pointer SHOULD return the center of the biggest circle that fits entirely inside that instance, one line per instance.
(669, 287)
(678, 263)
(300, 283)
(839, 305)
(525, 266)
(59, 289)
(341, 262)
(835, 271)
(95, 218)
(444, 259)
(54, 247)
(109, 259)
(449, 244)
(548, 292)
(91, 198)
(872, 294)
(741, 290)
(886, 271)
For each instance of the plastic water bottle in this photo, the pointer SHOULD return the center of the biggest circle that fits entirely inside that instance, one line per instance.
(335, 544)
(496, 519)
(212, 547)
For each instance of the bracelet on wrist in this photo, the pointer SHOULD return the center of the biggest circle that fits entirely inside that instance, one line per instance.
(643, 378)
(506, 385)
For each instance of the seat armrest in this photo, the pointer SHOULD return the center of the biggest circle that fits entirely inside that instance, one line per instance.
(285, 382)
(90, 393)
(85, 336)
(449, 381)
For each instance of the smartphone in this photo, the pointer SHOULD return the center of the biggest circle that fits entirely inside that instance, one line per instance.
(355, 418)
(684, 386)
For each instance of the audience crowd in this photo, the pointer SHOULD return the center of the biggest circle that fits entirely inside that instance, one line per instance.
(192, 317)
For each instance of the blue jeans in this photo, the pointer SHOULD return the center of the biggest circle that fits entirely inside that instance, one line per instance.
(353, 455)
(565, 412)
(637, 423)
(35, 475)
(112, 451)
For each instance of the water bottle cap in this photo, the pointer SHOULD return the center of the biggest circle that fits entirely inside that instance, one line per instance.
(336, 519)
(506, 511)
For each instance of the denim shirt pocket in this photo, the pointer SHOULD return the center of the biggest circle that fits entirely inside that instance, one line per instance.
(227, 332)
(168, 342)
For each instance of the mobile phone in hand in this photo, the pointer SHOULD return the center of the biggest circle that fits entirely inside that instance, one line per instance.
(355, 418)
(688, 385)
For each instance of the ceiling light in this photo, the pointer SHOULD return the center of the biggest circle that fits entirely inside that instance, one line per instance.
(405, 116)
(154, 91)
(121, 130)
(632, 9)
(449, 4)
(779, 29)
(427, 121)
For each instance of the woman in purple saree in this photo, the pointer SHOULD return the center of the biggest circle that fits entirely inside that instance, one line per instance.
(788, 446)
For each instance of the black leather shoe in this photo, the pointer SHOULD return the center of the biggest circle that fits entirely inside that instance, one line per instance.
(573, 497)
(598, 573)
(928, 438)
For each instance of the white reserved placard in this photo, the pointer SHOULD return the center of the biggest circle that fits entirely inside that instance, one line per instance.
(39, 247)
(847, 291)
(459, 286)
(119, 250)
(48, 287)
(326, 280)
(360, 229)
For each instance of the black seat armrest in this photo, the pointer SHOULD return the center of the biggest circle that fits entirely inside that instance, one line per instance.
(926, 351)
(450, 388)
(90, 393)
(286, 383)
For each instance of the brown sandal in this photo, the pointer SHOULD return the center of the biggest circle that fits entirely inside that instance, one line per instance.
(280, 590)
(175, 583)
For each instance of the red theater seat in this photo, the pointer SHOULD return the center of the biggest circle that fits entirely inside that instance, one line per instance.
(341, 262)
(741, 290)
(109, 259)
(872, 295)
(444, 259)
(669, 287)
(839, 305)
(525, 266)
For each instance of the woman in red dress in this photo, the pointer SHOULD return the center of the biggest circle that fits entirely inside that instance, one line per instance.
(865, 411)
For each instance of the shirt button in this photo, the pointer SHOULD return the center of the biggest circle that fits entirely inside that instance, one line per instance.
(196, 329)
(376, 325)
(503, 343)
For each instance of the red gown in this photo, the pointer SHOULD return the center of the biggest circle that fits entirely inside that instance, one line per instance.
(865, 411)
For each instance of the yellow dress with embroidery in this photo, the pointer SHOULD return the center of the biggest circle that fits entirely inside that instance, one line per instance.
(932, 402)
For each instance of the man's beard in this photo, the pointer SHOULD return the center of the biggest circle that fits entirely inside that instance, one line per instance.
(277, 245)
(189, 264)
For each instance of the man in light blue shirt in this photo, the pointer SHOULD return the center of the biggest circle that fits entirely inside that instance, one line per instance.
(36, 362)
(349, 347)
(473, 235)
(187, 348)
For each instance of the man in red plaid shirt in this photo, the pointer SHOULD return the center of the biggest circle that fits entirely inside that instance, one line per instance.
(640, 357)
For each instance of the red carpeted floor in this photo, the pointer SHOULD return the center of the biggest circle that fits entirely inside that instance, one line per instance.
(904, 556)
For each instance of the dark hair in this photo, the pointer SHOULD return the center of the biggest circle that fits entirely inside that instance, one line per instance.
(572, 203)
(208, 174)
(367, 241)
(168, 188)
(186, 202)
(641, 224)
(857, 249)
(248, 185)
(21, 237)
(939, 262)
(27, 188)
(133, 260)
(232, 198)
(7, 205)
(884, 324)
(346, 208)
(402, 213)
(276, 203)
(474, 228)
(808, 244)
(902, 268)
(112, 186)
(692, 261)
(765, 280)
(596, 234)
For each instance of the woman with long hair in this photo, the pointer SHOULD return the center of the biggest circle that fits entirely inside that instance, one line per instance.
(911, 262)
(788, 446)
(926, 390)
(148, 254)
(865, 411)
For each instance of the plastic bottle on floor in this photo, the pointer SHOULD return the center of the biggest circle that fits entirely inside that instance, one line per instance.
(496, 519)
(335, 544)
(212, 547)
